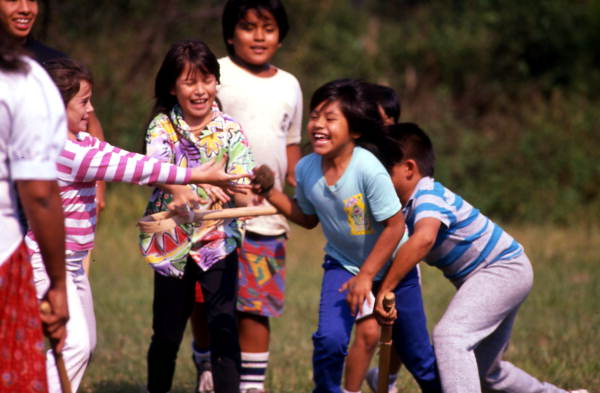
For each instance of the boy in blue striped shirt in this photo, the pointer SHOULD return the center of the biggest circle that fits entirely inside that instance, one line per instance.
(489, 268)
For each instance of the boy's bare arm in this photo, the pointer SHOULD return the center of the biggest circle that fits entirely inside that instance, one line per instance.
(360, 285)
(294, 153)
(410, 253)
(44, 211)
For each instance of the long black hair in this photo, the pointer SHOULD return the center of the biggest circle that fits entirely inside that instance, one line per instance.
(10, 53)
(360, 111)
(195, 53)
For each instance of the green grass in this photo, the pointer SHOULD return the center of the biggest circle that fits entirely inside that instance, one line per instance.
(555, 338)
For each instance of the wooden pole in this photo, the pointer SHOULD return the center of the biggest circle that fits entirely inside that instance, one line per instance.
(385, 346)
(164, 221)
(65, 383)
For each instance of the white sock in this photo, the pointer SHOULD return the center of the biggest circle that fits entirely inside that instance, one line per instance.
(254, 369)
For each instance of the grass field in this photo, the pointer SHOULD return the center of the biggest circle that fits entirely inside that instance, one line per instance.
(555, 338)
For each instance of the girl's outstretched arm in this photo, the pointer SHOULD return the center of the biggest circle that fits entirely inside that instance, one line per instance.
(290, 209)
(92, 160)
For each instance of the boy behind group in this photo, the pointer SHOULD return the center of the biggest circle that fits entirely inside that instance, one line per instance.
(267, 102)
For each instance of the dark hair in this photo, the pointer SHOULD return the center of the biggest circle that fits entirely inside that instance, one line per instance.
(387, 98)
(360, 112)
(200, 58)
(235, 10)
(67, 75)
(414, 144)
(10, 53)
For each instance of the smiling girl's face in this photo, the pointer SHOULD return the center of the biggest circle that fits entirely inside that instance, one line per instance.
(195, 93)
(328, 130)
(79, 108)
(18, 16)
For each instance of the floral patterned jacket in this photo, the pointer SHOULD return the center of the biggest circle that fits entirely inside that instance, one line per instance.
(169, 139)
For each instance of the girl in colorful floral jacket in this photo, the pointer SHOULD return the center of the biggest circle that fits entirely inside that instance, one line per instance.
(188, 129)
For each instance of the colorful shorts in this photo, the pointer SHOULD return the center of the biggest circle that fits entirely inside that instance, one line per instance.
(22, 357)
(261, 273)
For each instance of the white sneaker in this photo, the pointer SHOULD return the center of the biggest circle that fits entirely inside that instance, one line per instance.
(373, 378)
(578, 391)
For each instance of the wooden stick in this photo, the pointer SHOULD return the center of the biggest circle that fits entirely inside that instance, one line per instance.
(164, 221)
(65, 383)
(385, 346)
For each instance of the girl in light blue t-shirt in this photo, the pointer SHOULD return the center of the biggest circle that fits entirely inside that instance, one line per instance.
(345, 188)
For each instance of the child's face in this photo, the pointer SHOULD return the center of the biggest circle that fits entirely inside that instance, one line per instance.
(18, 16)
(404, 178)
(328, 130)
(256, 37)
(79, 108)
(195, 93)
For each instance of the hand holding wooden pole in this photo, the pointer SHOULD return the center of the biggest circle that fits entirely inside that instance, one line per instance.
(65, 383)
(385, 346)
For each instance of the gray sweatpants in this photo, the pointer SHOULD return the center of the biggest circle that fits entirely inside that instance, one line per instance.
(475, 330)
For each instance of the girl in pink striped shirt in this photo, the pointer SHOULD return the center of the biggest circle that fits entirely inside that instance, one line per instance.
(84, 160)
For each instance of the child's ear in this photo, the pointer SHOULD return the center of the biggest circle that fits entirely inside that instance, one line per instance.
(411, 166)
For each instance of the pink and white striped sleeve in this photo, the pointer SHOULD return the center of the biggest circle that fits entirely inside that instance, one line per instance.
(83, 161)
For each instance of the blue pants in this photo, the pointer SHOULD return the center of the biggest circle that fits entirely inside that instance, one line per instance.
(410, 335)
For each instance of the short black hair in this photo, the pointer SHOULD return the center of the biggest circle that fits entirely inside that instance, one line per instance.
(387, 98)
(235, 10)
(414, 144)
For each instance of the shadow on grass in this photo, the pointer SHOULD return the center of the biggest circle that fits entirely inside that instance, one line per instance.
(123, 387)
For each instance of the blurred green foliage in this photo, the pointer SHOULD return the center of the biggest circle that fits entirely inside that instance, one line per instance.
(507, 89)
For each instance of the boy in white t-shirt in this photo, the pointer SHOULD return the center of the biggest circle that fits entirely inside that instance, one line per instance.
(267, 102)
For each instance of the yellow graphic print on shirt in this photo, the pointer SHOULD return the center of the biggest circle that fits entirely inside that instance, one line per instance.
(211, 143)
(359, 221)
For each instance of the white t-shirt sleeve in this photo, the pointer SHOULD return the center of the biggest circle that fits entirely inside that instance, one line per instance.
(294, 135)
(39, 128)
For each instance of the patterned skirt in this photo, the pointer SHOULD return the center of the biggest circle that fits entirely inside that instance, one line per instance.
(22, 357)
(261, 273)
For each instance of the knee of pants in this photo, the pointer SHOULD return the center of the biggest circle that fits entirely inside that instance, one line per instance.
(330, 344)
(166, 346)
(77, 351)
(449, 336)
(223, 334)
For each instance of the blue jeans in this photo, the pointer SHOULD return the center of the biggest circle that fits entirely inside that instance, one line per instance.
(410, 335)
